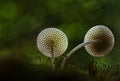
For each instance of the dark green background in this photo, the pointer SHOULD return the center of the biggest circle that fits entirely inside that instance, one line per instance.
(22, 20)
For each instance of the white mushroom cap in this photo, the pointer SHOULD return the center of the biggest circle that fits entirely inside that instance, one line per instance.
(55, 36)
(104, 40)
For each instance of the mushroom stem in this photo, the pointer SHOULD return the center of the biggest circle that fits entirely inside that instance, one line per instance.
(52, 54)
(74, 50)
(53, 63)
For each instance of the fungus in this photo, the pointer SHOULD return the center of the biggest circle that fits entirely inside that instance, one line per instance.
(104, 41)
(52, 43)
(98, 41)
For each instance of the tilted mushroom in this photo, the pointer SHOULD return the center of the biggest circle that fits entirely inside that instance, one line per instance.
(104, 41)
(98, 41)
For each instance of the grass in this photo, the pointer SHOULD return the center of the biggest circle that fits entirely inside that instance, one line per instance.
(13, 69)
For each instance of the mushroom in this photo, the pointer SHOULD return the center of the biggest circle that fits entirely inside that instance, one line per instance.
(104, 41)
(98, 41)
(52, 43)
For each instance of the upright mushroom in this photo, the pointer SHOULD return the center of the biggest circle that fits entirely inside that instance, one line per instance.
(52, 42)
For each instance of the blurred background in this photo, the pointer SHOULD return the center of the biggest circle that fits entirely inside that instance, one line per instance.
(22, 20)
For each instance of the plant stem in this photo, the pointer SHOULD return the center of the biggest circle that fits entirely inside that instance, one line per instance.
(74, 50)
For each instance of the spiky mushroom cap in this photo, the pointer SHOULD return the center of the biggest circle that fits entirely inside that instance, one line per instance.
(104, 40)
(54, 37)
